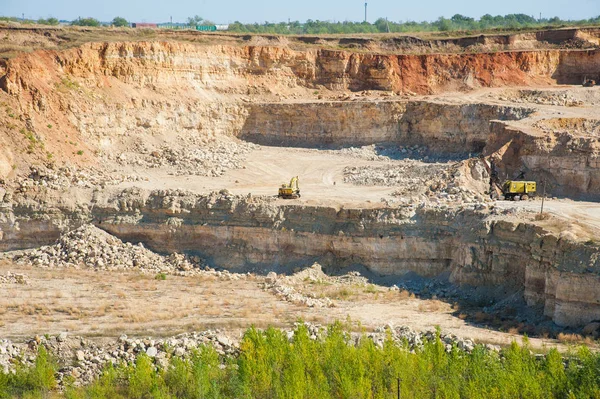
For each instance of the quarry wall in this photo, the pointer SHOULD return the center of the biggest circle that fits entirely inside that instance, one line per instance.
(240, 233)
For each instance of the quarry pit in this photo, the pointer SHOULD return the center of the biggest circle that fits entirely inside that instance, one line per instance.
(177, 146)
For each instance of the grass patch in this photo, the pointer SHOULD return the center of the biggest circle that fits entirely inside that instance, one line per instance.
(67, 83)
(34, 141)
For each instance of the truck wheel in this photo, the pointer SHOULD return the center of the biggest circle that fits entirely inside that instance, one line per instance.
(525, 197)
(517, 198)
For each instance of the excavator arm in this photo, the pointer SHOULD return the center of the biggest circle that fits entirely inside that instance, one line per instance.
(294, 184)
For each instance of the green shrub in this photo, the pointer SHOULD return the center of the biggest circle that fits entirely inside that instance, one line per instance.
(36, 381)
(336, 366)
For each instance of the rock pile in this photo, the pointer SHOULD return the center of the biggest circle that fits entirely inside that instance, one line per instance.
(280, 288)
(283, 286)
(83, 359)
(66, 177)
(385, 153)
(315, 274)
(13, 278)
(203, 158)
(91, 247)
(557, 98)
(10, 353)
(421, 182)
(408, 173)
(415, 339)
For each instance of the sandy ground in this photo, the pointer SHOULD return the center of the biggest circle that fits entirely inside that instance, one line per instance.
(266, 168)
(322, 183)
(93, 304)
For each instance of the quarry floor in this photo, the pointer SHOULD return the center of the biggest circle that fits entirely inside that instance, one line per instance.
(322, 183)
(99, 305)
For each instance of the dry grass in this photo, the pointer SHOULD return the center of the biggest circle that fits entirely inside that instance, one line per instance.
(90, 303)
(432, 305)
(405, 295)
(109, 304)
(567, 338)
(542, 216)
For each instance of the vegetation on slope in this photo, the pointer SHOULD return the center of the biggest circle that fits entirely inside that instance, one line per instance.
(270, 366)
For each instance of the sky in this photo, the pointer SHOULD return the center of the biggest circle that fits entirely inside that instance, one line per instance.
(227, 11)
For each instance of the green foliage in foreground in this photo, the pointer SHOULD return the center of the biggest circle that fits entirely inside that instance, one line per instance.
(33, 382)
(271, 367)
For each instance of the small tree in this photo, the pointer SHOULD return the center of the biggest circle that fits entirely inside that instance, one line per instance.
(86, 22)
(119, 22)
(49, 21)
(444, 24)
(195, 20)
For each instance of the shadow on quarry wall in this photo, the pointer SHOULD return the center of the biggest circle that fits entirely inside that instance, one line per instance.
(576, 66)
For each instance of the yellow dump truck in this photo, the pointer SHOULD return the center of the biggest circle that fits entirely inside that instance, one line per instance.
(519, 190)
(290, 191)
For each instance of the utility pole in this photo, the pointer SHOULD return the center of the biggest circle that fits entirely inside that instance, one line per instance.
(23, 19)
(366, 11)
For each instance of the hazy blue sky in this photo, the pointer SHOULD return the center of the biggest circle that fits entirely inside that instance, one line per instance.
(225, 11)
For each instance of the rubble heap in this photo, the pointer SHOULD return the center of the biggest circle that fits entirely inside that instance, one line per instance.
(203, 157)
(13, 278)
(91, 247)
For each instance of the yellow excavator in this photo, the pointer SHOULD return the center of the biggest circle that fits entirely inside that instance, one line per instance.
(519, 190)
(290, 191)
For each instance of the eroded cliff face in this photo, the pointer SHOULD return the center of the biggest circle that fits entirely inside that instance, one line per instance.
(453, 128)
(243, 233)
(230, 69)
(442, 127)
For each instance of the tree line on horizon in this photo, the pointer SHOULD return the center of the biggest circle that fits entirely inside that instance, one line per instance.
(457, 22)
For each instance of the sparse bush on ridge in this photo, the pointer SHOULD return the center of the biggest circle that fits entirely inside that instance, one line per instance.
(270, 366)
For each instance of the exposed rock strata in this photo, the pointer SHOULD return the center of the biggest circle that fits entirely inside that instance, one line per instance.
(241, 233)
